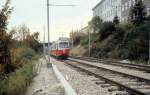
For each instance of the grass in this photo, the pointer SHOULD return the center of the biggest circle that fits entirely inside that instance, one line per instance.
(78, 51)
(17, 82)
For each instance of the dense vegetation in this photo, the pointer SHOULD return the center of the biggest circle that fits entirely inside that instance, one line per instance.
(18, 50)
(121, 41)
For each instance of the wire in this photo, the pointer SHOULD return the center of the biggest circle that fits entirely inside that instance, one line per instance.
(60, 5)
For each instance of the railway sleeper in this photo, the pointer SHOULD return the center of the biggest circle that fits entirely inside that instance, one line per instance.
(109, 77)
(120, 93)
(135, 83)
(146, 91)
(100, 82)
(105, 85)
(125, 80)
(141, 87)
(113, 88)
(115, 77)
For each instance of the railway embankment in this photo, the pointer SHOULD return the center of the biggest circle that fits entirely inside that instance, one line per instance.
(124, 41)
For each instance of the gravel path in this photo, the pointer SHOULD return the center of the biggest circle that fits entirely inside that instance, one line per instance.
(82, 83)
(121, 69)
(45, 83)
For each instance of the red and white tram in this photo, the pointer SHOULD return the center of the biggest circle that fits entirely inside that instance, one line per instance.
(60, 48)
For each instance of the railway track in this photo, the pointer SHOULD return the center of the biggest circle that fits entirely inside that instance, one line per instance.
(122, 83)
(145, 68)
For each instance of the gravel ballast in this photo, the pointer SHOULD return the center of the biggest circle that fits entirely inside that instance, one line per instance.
(120, 69)
(83, 84)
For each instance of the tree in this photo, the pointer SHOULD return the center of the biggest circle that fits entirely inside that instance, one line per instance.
(76, 36)
(32, 41)
(116, 20)
(5, 38)
(95, 24)
(138, 13)
(23, 32)
(107, 29)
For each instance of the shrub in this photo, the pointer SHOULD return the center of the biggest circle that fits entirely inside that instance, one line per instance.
(16, 83)
(107, 28)
(21, 55)
(137, 40)
(76, 36)
(85, 40)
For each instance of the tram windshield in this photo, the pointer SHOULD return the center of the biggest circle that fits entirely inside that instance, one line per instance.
(64, 45)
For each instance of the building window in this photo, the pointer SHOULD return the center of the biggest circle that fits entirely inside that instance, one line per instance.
(130, 3)
(126, 5)
(133, 1)
(122, 7)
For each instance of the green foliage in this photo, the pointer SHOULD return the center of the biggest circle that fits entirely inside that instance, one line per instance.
(28, 39)
(76, 37)
(23, 31)
(28, 53)
(116, 20)
(148, 19)
(126, 26)
(107, 29)
(5, 38)
(32, 42)
(95, 23)
(85, 40)
(16, 83)
(138, 12)
(122, 41)
(21, 56)
(4, 14)
(137, 40)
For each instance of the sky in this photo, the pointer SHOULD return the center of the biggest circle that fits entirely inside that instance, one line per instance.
(63, 20)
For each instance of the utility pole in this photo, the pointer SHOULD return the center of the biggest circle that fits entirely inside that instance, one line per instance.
(56, 5)
(149, 44)
(44, 40)
(72, 34)
(48, 30)
(89, 43)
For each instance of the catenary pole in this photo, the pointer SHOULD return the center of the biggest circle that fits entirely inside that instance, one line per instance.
(48, 30)
(89, 35)
(44, 40)
(56, 5)
(149, 43)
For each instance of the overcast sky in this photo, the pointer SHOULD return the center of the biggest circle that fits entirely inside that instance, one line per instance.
(62, 19)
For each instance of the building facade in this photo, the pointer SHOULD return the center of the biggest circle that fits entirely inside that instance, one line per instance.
(108, 9)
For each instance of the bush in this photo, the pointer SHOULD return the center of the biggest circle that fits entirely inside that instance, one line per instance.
(16, 83)
(137, 42)
(123, 43)
(76, 37)
(85, 40)
(28, 53)
(107, 28)
(21, 56)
